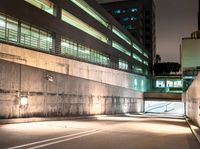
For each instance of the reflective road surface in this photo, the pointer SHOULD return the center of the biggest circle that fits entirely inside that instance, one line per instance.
(104, 132)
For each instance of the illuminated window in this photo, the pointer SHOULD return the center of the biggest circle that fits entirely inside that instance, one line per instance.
(125, 19)
(69, 47)
(45, 5)
(137, 47)
(74, 21)
(138, 70)
(2, 27)
(129, 27)
(117, 11)
(121, 35)
(8, 29)
(134, 10)
(160, 83)
(83, 52)
(133, 18)
(136, 57)
(84, 6)
(120, 48)
(146, 55)
(146, 63)
(36, 38)
(142, 83)
(123, 64)
(124, 11)
(76, 50)
(26, 35)
(12, 29)
(135, 82)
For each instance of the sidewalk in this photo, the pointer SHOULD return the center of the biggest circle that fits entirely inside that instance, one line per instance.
(195, 129)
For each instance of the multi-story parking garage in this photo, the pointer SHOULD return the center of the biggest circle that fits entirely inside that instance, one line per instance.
(68, 57)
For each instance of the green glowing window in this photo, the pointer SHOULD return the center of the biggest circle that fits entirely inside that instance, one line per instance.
(69, 47)
(2, 26)
(36, 38)
(83, 52)
(137, 47)
(88, 9)
(136, 57)
(146, 55)
(123, 64)
(73, 49)
(133, 18)
(142, 83)
(135, 82)
(129, 27)
(134, 10)
(138, 70)
(74, 21)
(146, 63)
(12, 29)
(45, 5)
(8, 29)
(120, 48)
(125, 19)
(121, 35)
(117, 11)
(24, 34)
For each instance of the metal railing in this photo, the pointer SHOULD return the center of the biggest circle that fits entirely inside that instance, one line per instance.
(13, 36)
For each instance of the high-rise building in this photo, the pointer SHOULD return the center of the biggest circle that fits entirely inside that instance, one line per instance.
(199, 17)
(138, 17)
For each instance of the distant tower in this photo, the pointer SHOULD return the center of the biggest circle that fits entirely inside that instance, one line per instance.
(196, 34)
(199, 17)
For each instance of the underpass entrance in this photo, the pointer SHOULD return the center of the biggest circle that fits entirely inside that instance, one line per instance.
(165, 107)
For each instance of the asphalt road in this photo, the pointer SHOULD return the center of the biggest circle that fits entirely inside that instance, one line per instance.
(103, 133)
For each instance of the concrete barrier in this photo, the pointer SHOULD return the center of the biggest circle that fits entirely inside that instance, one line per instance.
(192, 99)
(56, 94)
(155, 96)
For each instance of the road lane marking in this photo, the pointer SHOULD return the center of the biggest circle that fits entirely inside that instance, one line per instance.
(73, 136)
(52, 139)
(65, 140)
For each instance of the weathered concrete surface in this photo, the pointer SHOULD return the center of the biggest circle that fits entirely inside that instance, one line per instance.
(71, 67)
(63, 95)
(192, 99)
(103, 133)
(162, 96)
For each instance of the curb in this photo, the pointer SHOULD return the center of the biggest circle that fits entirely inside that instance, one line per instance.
(195, 130)
(40, 119)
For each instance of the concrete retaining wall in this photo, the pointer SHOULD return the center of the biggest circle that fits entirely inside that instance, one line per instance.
(72, 67)
(162, 96)
(192, 99)
(57, 94)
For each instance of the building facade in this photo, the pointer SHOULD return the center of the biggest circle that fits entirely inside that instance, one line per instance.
(61, 29)
(138, 17)
(68, 57)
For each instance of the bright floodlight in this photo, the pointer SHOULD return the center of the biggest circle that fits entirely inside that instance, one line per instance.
(24, 100)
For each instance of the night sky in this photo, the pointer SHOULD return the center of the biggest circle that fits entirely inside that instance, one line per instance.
(175, 19)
